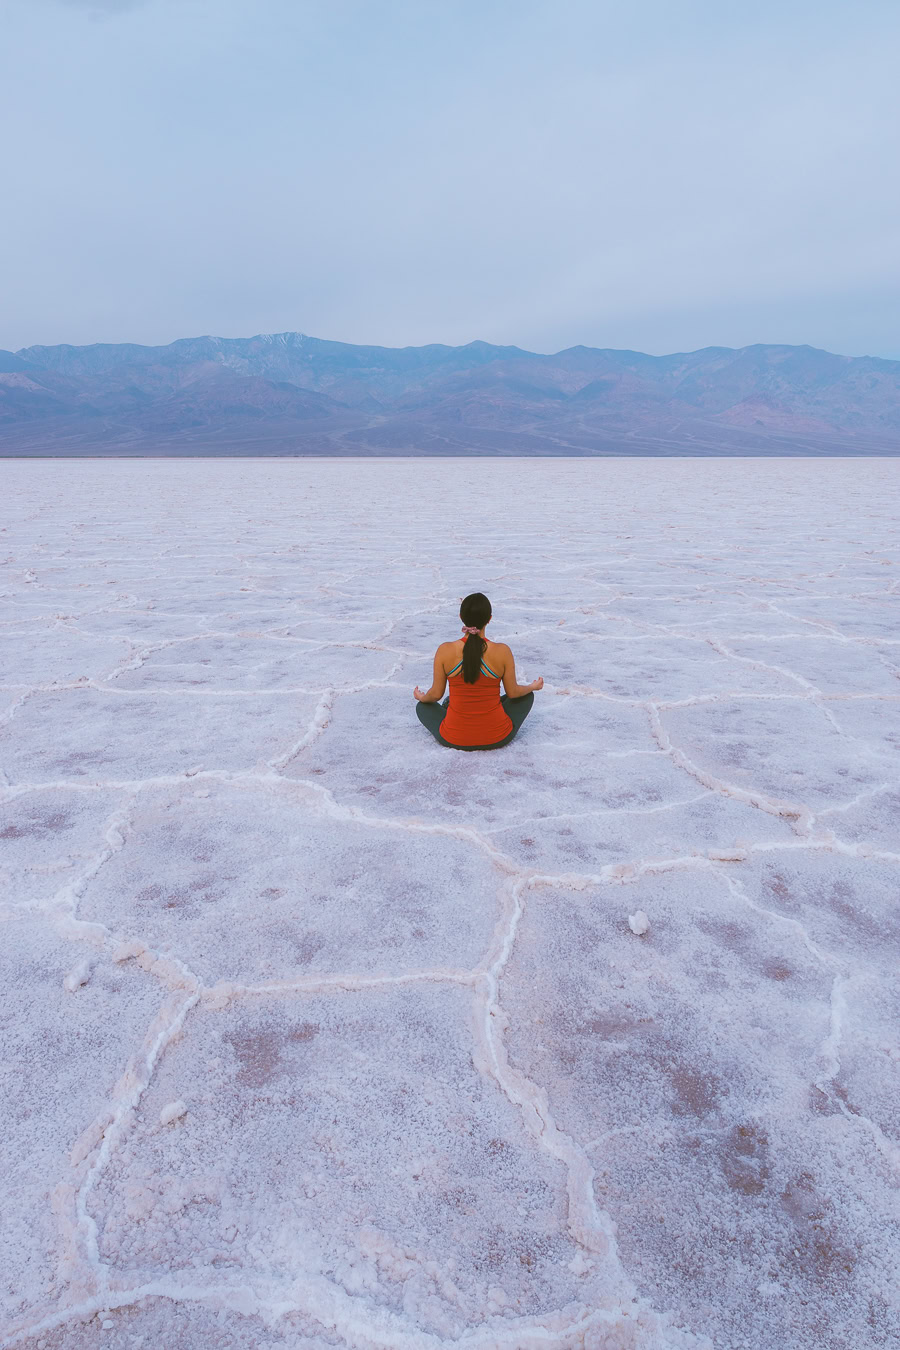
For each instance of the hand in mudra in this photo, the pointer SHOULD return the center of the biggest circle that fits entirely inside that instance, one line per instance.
(419, 693)
(537, 684)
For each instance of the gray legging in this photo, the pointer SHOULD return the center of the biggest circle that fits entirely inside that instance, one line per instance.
(431, 715)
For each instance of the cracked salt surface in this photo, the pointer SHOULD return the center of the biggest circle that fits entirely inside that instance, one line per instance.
(317, 1034)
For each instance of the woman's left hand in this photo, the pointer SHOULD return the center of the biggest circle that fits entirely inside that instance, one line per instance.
(419, 693)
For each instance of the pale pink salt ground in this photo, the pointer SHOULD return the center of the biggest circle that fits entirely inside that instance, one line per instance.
(317, 1034)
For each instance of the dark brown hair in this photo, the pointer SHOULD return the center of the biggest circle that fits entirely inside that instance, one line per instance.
(474, 611)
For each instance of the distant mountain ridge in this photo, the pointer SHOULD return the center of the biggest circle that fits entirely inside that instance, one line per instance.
(287, 393)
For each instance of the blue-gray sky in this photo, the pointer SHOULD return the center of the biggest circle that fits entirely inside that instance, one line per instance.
(655, 174)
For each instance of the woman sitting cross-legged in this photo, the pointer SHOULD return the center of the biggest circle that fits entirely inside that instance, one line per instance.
(475, 716)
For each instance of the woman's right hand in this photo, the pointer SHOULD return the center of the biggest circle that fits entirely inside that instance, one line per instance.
(537, 684)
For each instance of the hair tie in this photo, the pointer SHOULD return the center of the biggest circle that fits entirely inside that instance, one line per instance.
(470, 630)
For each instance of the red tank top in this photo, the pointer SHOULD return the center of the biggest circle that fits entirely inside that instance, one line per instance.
(475, 715)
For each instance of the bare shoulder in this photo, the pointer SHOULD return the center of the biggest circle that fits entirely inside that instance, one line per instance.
(448, 654)
(498, 655)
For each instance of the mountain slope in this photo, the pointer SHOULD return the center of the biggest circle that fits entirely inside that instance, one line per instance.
(289, 393)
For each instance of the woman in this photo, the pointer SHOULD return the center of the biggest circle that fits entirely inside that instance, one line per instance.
(475, 716)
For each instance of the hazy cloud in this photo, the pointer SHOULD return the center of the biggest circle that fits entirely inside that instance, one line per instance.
(107, 6)
(614, 172)
(99, 10)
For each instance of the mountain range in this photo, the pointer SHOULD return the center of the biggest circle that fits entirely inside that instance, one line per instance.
(289, 394)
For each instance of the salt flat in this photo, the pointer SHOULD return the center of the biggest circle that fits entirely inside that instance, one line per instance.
(315, 1033)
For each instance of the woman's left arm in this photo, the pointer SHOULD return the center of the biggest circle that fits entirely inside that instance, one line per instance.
(438, 684)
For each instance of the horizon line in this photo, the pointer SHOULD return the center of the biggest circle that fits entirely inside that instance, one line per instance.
(447, 346)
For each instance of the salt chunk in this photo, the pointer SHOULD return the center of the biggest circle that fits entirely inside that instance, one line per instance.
(78, 976)
(174, 1111)
(638, 923)
(126, 950)
(108, 1324)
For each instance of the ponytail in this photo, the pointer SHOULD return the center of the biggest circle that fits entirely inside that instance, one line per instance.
(474, 649)
(474, 611)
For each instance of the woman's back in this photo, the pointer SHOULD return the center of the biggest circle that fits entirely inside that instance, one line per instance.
(475, 715)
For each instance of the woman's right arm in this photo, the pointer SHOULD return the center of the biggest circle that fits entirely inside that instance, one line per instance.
(514, 689)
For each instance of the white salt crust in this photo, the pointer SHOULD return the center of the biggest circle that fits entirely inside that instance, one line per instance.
(317, 1034)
